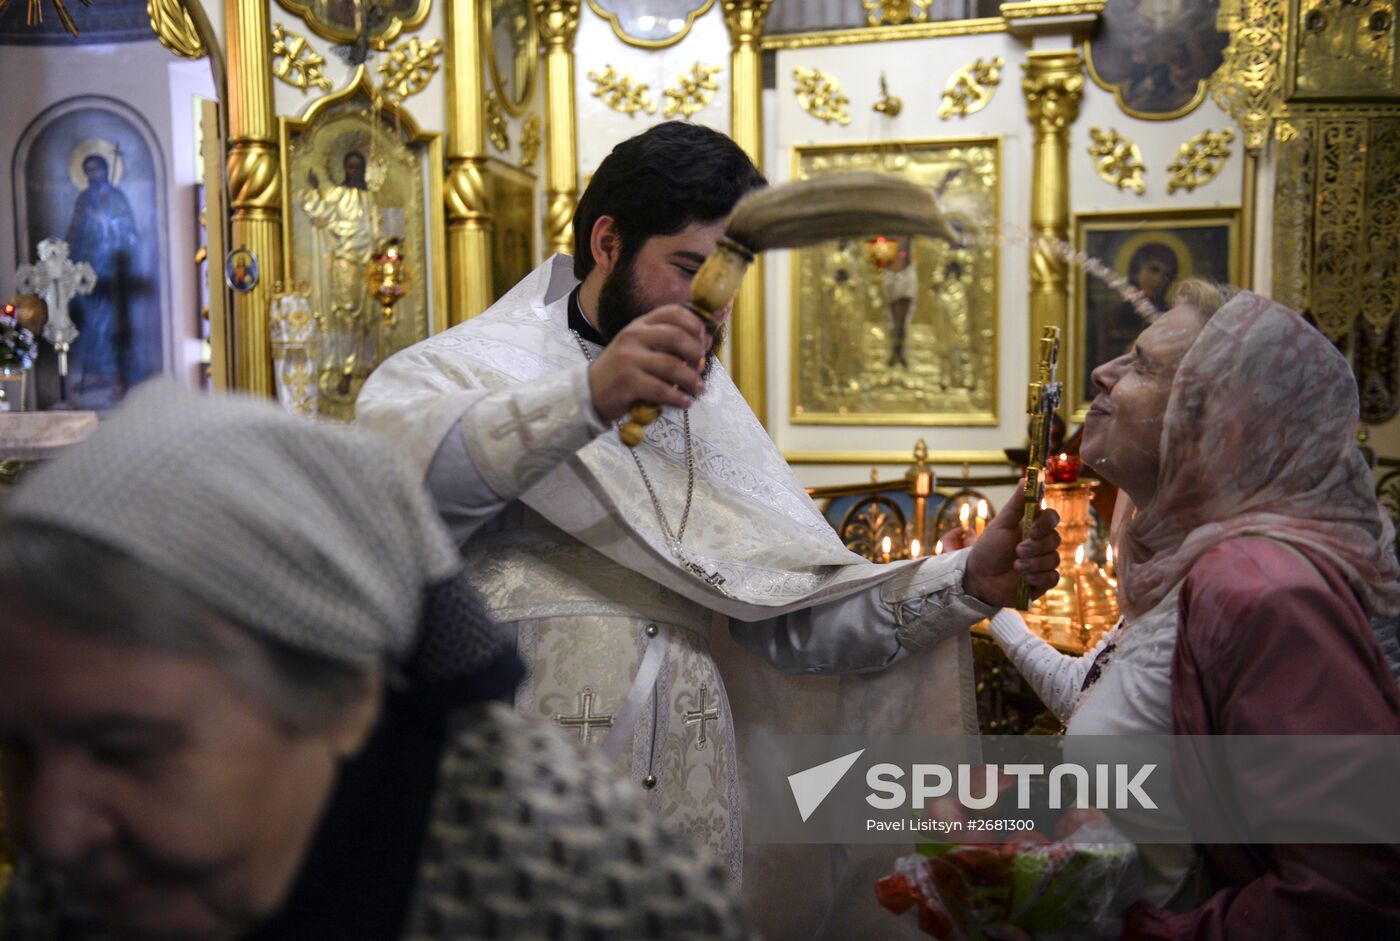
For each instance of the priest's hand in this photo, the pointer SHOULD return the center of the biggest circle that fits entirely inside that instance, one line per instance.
(999, 557)
(656, 358)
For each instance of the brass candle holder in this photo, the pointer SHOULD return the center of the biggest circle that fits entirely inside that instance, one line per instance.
(1084, 605)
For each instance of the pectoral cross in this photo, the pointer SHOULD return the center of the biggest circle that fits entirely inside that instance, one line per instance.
(711, 579)
(520, 424)
(586, 721)
(701, 715)
(58, 280)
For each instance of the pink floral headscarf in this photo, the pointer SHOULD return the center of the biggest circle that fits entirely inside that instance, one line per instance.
(1259, 440)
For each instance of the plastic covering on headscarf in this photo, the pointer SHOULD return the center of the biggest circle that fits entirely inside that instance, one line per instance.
(316, 536)
(1259, 440)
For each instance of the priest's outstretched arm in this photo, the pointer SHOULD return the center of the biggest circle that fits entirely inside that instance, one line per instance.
(480, 465)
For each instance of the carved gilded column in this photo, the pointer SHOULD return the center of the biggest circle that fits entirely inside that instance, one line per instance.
(1053, 85)
(255, 187)
(748, 343)
(558, 24)
(468, 208)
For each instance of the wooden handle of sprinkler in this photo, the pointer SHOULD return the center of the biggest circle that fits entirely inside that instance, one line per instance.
(1029, 515)
(711, 290)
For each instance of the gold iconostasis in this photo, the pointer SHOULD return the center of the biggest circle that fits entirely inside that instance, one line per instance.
(325, 182)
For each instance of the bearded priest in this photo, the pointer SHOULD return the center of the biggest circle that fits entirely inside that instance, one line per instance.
(629, 575)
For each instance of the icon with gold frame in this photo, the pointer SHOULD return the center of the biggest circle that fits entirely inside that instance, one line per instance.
(401, 181)
(512, 50)
(342, 21)
(1155, 251)
(888, 331)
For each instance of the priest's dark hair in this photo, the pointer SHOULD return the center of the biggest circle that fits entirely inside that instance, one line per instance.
(659, 182)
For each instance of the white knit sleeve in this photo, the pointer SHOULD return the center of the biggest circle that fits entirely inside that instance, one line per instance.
(1056, 677)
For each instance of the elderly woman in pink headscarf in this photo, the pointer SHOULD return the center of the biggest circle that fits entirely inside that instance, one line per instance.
(1252, 550)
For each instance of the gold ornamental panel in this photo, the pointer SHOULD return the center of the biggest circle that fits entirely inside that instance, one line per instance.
(1342, 50)
(1199, 160)
(820, 94)
(1117, 159)
(333, 224)
(894, 332)
(342, 21)
(692, 91)
(295, 62)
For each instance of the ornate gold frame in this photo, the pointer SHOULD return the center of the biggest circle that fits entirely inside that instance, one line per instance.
(986, 419)
(361, 85)
(651, 43)
(1072, 369)
(863, 34)
(1202, 89)
(494, 67)
(391, 31)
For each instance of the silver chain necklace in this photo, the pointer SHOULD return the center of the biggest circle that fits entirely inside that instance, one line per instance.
(713, 579)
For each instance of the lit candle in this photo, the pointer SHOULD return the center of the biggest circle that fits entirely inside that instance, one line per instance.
(1079, 555)
(914, 548)
(1108, 562)
(981, 516)
(1044, 505)
(885, 548)
(964, 514)
(938, 547)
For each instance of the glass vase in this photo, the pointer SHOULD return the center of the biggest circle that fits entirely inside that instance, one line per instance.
(14, 388)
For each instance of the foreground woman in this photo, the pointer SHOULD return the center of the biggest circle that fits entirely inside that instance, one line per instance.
(1250, 554)
(246, 693)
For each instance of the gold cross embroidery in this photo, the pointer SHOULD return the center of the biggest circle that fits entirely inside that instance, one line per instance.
(702, 715)
(586, 721)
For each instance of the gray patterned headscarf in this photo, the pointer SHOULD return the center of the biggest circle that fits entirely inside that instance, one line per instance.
(315, 536)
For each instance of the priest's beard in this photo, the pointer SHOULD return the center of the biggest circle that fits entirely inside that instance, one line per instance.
(621, 300)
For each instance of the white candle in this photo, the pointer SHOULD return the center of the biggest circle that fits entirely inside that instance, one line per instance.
(938, 547)
(914, 548)
(981, 516)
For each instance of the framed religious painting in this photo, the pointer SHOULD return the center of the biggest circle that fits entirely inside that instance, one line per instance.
(512, 50)
(1155, 251)
(900, 331)
(91, 172)
(1156, 56)
(363, 230)
(651, 24)
(347, 21)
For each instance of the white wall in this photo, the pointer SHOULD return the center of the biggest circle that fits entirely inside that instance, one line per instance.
(597, 46)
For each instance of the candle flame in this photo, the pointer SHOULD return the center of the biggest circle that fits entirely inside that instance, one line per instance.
(885, 545)
(938, 547)
(1064, 456)
(981, 509)
(1109, 555)
(1079, 555)
(914, 548)
(1044, 506)
(964, 513)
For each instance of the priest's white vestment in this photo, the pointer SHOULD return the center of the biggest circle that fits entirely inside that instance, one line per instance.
(623, 630)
